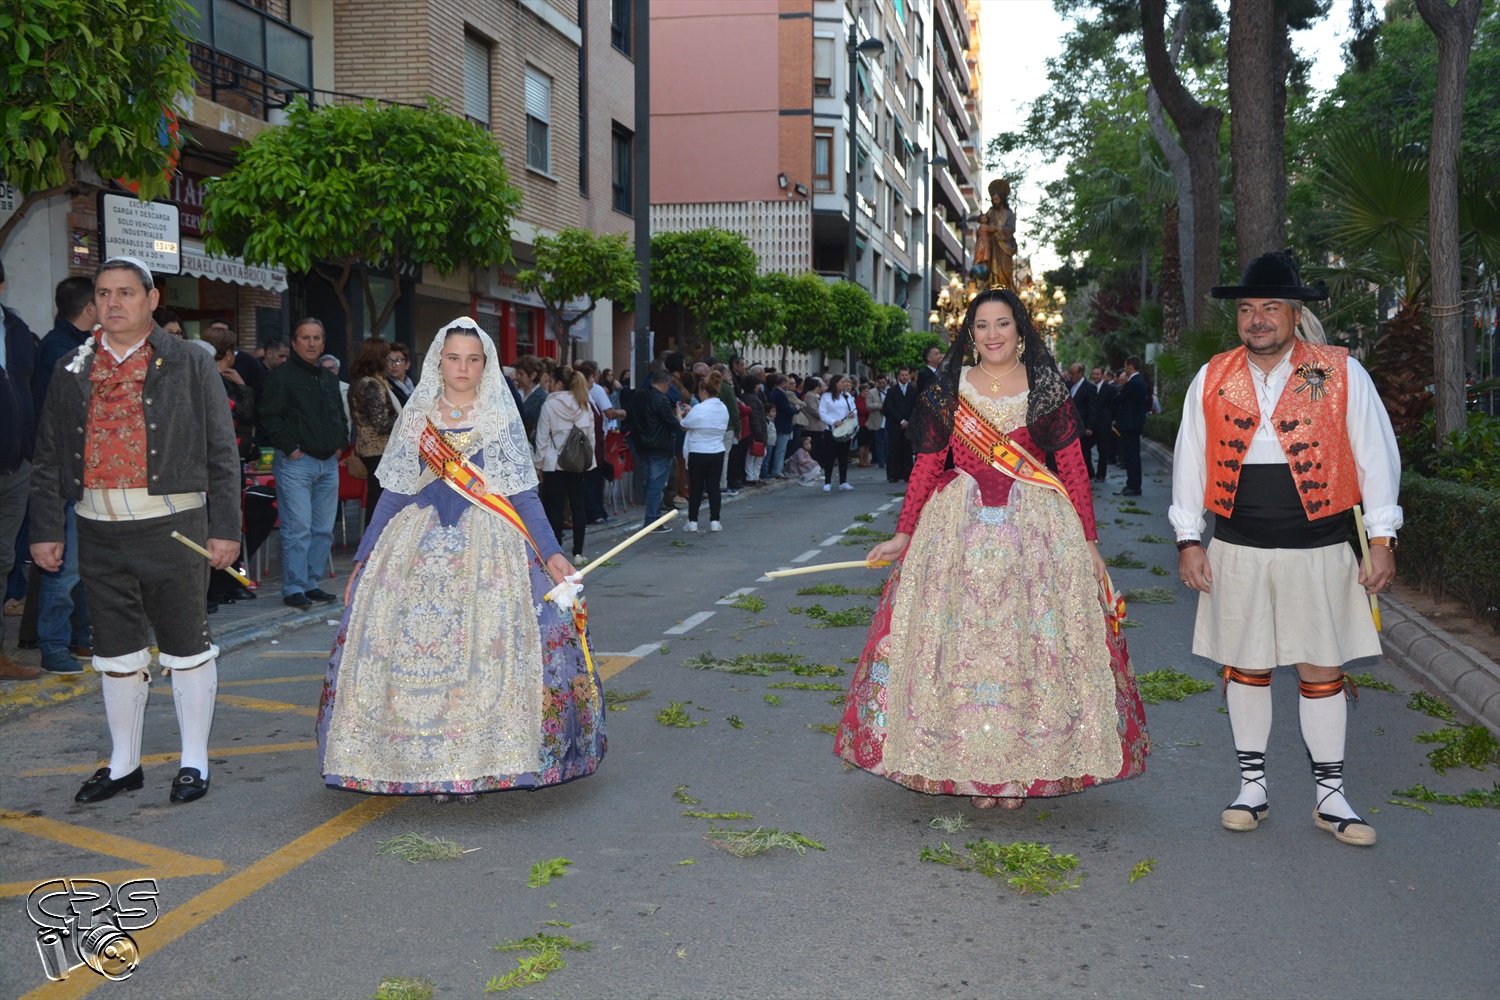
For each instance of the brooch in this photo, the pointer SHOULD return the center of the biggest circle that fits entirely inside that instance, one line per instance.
(80, 356)
(1316, 378)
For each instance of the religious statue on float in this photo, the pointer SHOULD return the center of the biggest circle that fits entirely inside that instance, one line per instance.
(995, 249)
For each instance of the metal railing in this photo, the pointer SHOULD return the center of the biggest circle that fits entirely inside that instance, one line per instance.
(245, 58)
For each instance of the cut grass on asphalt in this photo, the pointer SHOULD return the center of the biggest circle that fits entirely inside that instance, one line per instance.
(1124, 560)
(838, 590)
(749, 843)
(1167, 684)
(1025, 867)
(415, 848)
(403, 988)
(1150, 595)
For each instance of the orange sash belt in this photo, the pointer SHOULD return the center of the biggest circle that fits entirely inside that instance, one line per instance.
(996, 447)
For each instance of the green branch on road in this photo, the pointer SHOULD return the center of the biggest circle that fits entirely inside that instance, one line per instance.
(675, 714)
(415, 848)
(838, 590)
(1167, 684)
(1473, 746)
(1025, 867)
(748, 843)
(403, 988)
(1474, 798)
(545, 871)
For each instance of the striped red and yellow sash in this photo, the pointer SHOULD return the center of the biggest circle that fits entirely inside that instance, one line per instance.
(455, 470)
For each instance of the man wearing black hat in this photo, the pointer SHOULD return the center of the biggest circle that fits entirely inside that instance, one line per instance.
(1280, 439)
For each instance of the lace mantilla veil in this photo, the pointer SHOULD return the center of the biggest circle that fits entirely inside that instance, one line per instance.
(499, 432)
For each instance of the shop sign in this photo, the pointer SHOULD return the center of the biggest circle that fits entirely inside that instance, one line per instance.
(147, 230)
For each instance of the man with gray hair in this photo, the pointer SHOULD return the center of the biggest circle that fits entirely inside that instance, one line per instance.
(302, 413)
(136, 431)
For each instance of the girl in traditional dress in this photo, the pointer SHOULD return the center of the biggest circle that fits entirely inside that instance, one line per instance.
(990, 669)
(451, 674)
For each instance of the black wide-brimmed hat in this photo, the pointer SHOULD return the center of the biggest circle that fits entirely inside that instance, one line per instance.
(1272, 276)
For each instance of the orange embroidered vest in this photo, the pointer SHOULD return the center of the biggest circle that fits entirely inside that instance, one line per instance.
(1309, 421)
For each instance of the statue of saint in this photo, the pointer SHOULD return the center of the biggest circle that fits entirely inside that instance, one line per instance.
(995, 249)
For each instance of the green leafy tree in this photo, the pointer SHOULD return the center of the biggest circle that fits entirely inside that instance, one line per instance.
(885, 348)
(87, 82)
(579, 265)
(354, 188)
(755, 317)
(853, 316)
(699, 274)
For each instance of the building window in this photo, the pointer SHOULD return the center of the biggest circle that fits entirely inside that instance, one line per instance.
(623, 161)
(477, 80)
(619, 24)
(525, 330)
(822, 67)
(538, 120)
(822, 159)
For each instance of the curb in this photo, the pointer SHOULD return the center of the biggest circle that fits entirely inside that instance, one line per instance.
(1434, 658)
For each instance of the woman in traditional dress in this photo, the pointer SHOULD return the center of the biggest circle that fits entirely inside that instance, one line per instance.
(991, 669)
(452, 674)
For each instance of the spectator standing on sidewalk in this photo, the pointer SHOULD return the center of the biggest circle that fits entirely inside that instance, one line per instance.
(704, 448)
(137, 431)
(654, 424)
(1135, 403)
(730, 399)
(606, 417)
(62, 615)
(900, 402)
(566, 408)
(18, 349)
(835, 410)
(752, 396)
(875, 420)
(783, 412)
(373, 409)
(303, 415)
(398, 371)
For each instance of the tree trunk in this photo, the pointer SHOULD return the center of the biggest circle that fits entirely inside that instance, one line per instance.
(1182, 177)
(1257, 114)
(1172, 313)
(341, 289)
(1198, 125)
(1454, 28)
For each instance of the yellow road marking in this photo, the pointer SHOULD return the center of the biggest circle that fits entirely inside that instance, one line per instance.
(162, 862)
(272, 680)
(152, 760)
(234, 889)
(608, 666)
(262, 705)
(51, 689)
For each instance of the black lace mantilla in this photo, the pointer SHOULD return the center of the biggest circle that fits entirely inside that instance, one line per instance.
(1050, 417)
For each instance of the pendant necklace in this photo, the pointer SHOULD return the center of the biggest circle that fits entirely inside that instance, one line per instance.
(457, 412)
(995, 379)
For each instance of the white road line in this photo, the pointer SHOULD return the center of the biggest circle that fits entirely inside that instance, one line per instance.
(834, 540)
(688, 624)
(734, 595)
(637, 652)
(853, 527)
(809, 554)
(767, 579)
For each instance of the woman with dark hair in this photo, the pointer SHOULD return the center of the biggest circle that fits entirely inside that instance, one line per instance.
(566, 407)
(373, 409)
(840, 416)
(990, 669)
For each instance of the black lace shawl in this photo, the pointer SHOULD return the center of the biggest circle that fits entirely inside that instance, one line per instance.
(1050, 416)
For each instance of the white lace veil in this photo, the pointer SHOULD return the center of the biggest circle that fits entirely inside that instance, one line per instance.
(499, 432)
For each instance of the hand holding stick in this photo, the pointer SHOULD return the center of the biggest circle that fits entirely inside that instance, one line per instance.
(242, 578)
(565, 594)
(799, 571)
(1364, 548)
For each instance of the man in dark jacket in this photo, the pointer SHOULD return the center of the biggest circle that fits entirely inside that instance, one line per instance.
(929, 371)
(17, 442)
(62, 616)
(1135, 403)
(137, 432)
(900, 401)
(302, 412)
(1085, 401)
(654, 428)
(1105, 409)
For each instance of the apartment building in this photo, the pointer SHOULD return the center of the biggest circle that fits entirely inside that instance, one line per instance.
(957, 195)
(750, 117)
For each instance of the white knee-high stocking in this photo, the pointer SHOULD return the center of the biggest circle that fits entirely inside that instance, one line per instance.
(125, 708)
(1325, 718)
(1248, 697)
(193, 693)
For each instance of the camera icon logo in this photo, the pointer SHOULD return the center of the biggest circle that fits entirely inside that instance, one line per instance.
(85, 922)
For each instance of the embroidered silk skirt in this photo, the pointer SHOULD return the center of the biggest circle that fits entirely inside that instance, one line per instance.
(989, 667)
(450, 672)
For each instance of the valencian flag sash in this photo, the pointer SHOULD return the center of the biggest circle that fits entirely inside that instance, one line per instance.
(455, 470)
(996, 447)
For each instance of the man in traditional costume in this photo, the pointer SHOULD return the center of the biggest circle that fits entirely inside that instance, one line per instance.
(137, 431)
(1280, 439)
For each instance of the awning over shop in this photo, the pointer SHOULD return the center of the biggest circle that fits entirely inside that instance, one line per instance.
(198, 263)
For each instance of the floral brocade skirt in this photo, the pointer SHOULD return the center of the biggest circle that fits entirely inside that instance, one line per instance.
(450, 673)
(989, 668)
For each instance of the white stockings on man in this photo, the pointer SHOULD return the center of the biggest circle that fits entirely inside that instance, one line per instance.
(125, 708)
(1325, 718)
(1248, 697)
(193, 693)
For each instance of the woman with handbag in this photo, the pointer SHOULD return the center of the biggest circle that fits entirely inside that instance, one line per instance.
(565, 445)
(705, 424)
(373, 409)
(839, 413)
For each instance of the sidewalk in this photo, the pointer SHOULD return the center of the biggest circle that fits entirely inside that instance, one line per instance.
(1462, 675)
(245, 623)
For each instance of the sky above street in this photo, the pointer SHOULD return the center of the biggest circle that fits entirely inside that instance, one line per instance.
(1017, 38)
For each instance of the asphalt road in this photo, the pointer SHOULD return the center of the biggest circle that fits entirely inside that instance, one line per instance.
(285, 896)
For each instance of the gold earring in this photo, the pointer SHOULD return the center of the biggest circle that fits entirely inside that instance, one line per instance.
(971, 357)
(1021, 350)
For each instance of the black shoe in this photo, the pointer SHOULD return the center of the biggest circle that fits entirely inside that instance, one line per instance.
(212, 608)
(1127, 493)
(188, 785)
(101, 786)
(244, 594)
(661, 530)
(296, 601)
(321, 595)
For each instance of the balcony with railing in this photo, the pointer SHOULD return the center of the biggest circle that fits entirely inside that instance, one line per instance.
(247, 60)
